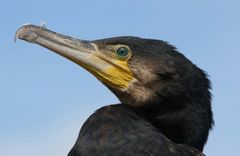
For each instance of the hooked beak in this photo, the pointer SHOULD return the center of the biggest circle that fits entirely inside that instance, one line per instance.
(110, 71)
(79, 51)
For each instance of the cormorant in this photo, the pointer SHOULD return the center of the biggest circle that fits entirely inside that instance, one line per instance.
(165, 107)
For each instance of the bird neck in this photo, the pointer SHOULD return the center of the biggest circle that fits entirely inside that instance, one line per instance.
(180, 120)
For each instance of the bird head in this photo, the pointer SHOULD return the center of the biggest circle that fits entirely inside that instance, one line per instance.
(142, 73)
(138, 71)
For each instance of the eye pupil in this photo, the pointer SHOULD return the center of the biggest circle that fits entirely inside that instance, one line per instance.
(122, 52)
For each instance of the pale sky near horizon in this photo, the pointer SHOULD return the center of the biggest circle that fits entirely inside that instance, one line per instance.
(44, 98)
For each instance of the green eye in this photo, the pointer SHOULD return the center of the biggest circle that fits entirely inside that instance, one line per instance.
(123, 52)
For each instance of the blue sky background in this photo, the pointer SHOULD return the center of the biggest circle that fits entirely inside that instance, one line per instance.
(44, 98)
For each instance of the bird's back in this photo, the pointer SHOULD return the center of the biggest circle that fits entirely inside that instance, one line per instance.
(120, 130)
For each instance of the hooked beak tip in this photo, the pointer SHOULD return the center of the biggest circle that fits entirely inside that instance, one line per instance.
(26, 32)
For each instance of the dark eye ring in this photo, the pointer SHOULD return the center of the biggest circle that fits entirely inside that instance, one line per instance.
(123, 53)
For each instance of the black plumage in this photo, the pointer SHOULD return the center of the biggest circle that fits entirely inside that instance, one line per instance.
(121, 130)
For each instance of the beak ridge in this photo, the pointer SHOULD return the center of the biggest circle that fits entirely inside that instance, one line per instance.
(31, 33)
(66, 46)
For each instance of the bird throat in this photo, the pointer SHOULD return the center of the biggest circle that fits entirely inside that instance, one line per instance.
(117, 75)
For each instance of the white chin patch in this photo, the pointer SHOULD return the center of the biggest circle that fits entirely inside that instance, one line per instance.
(138, 95)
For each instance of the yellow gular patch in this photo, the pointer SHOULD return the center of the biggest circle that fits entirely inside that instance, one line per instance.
(119, 75)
